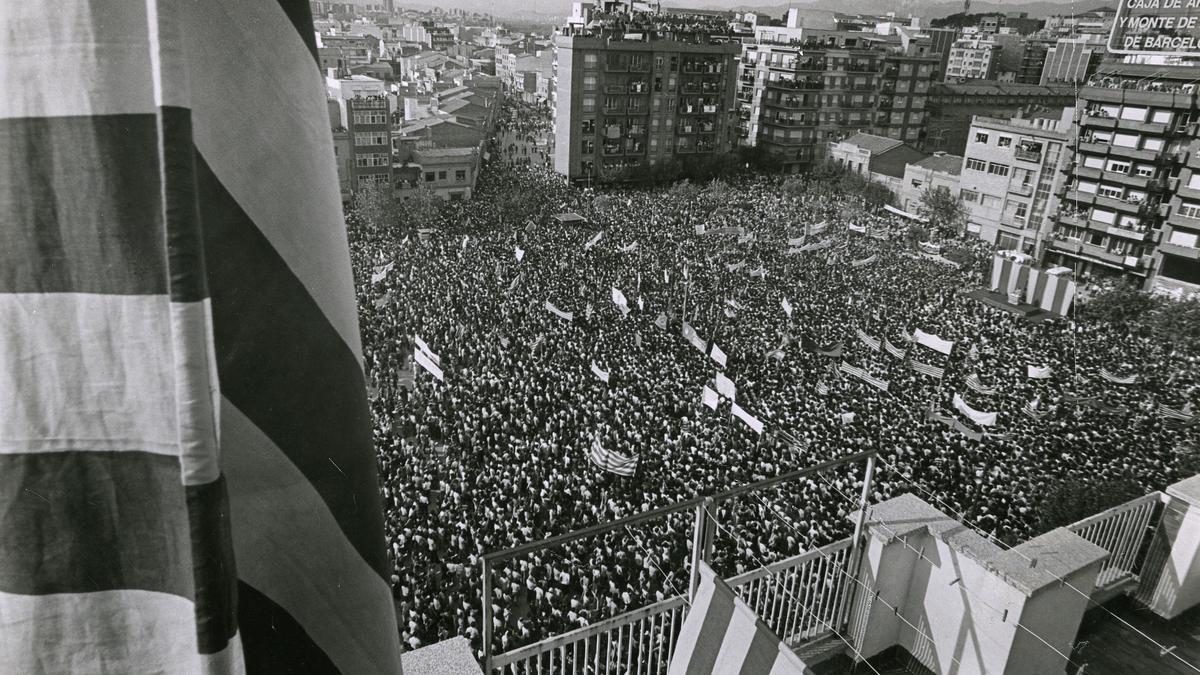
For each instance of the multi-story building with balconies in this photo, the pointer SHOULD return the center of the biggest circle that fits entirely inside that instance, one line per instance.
(1011, 173)
(630, 96)
(796, 97)
(1130, 205)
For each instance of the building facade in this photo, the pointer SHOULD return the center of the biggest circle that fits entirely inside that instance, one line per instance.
(952, 106)
(1072, 60)
(1130, 205)
(793, 99)
(972, 58)
(1011, 172)
(622, 104)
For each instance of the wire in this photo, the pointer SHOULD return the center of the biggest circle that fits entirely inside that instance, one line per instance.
(962, 586)
(650, 556)
(774, 578)
(1163, 649)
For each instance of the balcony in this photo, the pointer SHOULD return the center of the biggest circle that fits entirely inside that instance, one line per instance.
(1023, 190)
(1181, 251)
(1027, 155)
(614, 89)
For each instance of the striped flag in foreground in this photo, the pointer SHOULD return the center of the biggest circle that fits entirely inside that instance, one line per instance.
(1116, 379)
(1182, 415)
(189, 484)
(978, 387)
(611, 460)
(722, 635)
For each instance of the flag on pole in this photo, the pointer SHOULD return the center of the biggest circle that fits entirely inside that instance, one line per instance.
(188, 372)
(619, 299)
(750, 420)
(787, 307)
(721, 634)
(611, 460)
(661, 321)
(568, 316)
(690, 335)
(428, 364)
(426, 350)
(1116, 379)
(717, 355)
(637, 339)
(520, 252)
(709, 397)
(602, 375)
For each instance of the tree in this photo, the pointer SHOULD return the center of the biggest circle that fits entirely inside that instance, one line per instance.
(946, 212)
(421, 209)
(1119, 303)
(375, 208)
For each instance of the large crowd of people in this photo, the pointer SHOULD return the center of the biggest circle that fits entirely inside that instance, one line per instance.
(496, 453)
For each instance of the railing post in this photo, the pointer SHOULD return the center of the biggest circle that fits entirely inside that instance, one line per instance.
(487, 616)
(701, 544)
(854, 560)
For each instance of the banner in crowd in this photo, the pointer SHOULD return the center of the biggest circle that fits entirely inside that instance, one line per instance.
(569, 316)
(787, 307)
(1031, 408)
(933, 342)
(722, 634)
(380, 273)
(383, 300)
(867, 340)
(516, 280)
(733, 267)
(815, 246)
(930, 247)
(927, 369)
(750, 420)
(709, 397)
(796, 241)
(182, 357)
(967, 431)
(978, 387)
(759, 273)
(1039, 372)
(853, 227)
(834, 350)
(611, 460)
(1052, 290)
(1182, 415)
(593, 241)
(699, 229)
(424, 347)
(863, 375)
(936, 415)
(894, 350)
(602, 375)
(728, 230)
(717, 355)
(619, 298)
(629, 248)
(726, 387)
(817, 228)
(905, 214)
(983, 419)
(428, 364)
(1116, 379)
(864, 261)
(847, 417)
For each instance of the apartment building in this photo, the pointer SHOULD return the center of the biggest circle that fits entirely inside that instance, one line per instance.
(1011, 172)
(364, 111)
(627, 100)
(937, 171)
(972, 57)
(796, 97)
(952, 106)
(1130, 202)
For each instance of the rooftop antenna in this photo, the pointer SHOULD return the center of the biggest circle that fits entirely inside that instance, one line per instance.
(966, 6)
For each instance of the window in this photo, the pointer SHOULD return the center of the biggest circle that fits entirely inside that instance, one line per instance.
(1181, 238)
(976, 164)
(997, 169)
(460, 175)
(1004, 141)
(589, 127)
(430, 176)
(917, 183)
(364, 138)
(1118, 167)
(1194, 181)
(441, 175)
(1096, 238)
(981, 137)
(1189, 210)
(1161, 117)
(970, 196)
(589, 82)
(1106, 217)
(1093, 162)
(1134, 114)
(1125, 140)
(589, 60)
(988, 201)
(1145, 171)
(1154, 144)
(589, 146)
(1022, 210)
(1110, 191)
(1086, 186)
(456, 196)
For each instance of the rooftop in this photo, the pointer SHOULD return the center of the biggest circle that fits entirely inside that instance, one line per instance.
(872, 143)
(942, 163)
(996, 88)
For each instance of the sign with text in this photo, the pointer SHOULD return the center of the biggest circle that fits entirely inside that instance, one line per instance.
(1166, 27)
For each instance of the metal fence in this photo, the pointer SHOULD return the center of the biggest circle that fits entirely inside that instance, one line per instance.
(1124, 531)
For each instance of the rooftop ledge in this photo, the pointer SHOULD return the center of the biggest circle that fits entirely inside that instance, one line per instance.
(1028, 567)
(1187, 490)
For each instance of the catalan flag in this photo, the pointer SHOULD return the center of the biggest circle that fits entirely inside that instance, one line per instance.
(1105, 374)
(927, 369)
(187, 474)
(870, 342)
(978, 387)
(721, 634)
(611, 460)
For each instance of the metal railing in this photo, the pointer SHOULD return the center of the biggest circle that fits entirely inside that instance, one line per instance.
(799, 598)
(1123, 531)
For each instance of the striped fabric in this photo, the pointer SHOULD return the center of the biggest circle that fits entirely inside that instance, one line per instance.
(611, 460)
(926, 369)
(1170, 413)
(1115, 379)
(862, 374)
(978, 387)
(822, 389)
(894, 350)
(721, 635)
(187, 474)
(870, 342)
(864, 261)
(1031, 409)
